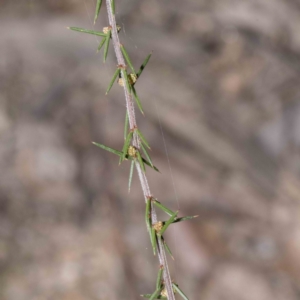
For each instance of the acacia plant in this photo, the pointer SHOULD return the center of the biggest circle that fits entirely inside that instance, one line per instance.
(135, 149)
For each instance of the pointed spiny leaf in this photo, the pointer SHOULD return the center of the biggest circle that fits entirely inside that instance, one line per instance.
(167, 248)
(147, 155)
(126, 125)
(137, 100)
(98, 6)
(125, 78)
(127, 58)
(159, 277)
(149, 295)
(141, 161)
(126, 144)
(148, 223)
(155, 294)
(148, 164)
(169, 222)
(143, 138)
(113, 6)
(162, 207)
(130, 175)
(153, 240)
(148, 215)
(146, 295)
(119, 153)
(113, 80)
(107, 40)
(179, 291)
(87, 31)
(101, 44)
(185, 218)
(143, 66)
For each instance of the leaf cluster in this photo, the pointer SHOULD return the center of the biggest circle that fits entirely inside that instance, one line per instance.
(160, 290)
(121, 70)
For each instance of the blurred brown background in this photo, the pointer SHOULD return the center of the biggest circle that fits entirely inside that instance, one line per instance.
(224, 83)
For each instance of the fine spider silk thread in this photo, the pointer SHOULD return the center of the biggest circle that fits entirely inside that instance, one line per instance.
(167, 155)
(172, 179)
(125, 34)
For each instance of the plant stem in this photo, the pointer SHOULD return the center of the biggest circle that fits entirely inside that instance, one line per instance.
(121, 61)
(136, 142)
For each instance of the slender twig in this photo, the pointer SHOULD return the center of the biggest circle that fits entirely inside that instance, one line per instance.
(136, 142)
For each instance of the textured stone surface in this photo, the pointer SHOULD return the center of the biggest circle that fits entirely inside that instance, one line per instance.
(223, 84)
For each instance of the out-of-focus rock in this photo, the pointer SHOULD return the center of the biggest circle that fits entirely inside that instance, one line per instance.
(220, 95)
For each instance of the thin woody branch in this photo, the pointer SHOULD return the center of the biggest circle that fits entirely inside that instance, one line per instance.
(136, 143)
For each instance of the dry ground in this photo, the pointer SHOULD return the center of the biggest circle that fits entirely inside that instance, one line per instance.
(223, 84)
